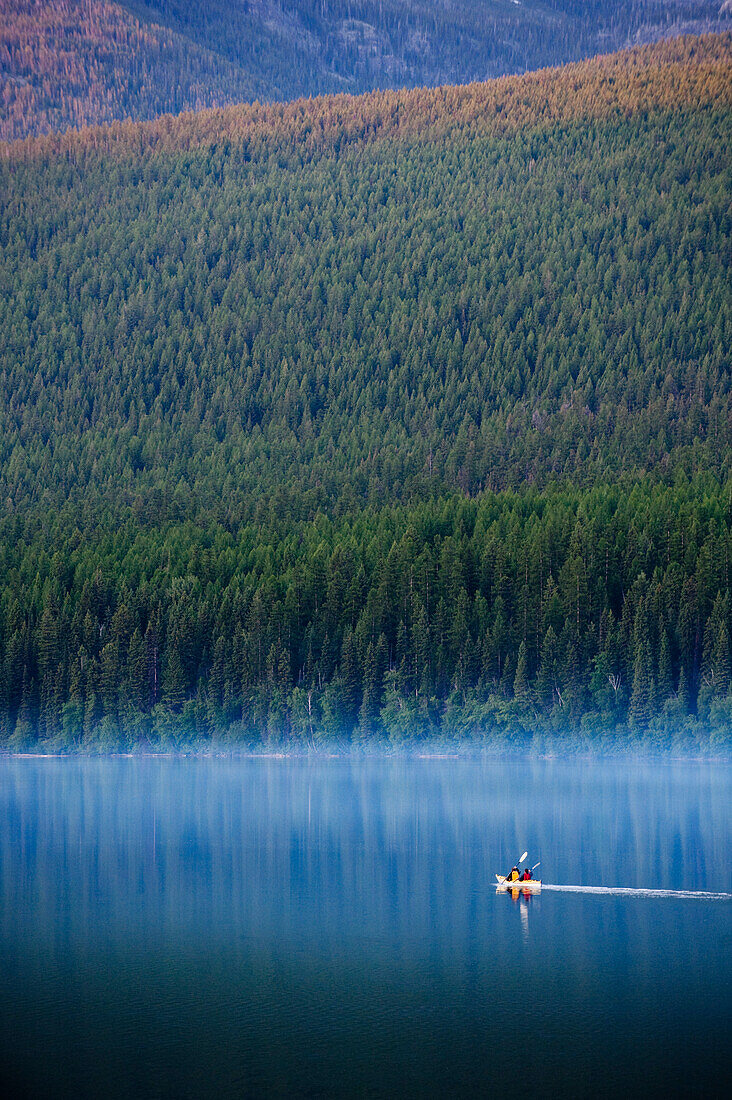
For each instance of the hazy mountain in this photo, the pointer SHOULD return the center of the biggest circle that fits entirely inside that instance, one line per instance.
(72, 62)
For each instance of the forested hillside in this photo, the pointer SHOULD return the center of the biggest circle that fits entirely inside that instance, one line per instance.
(69, 63)
(354, 301)
(396, 415)
(306, 47)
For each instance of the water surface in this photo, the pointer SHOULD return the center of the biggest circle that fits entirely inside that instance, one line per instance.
(192, 928)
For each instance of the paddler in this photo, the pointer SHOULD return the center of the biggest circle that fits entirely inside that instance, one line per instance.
(514, 875)
(526, 877)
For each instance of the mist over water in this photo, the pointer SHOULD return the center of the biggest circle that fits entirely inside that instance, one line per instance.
(328, 927)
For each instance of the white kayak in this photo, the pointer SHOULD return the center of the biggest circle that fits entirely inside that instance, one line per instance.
(530, 886)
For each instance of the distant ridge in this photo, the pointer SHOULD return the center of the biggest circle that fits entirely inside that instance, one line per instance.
(72, 63)
(690, 70)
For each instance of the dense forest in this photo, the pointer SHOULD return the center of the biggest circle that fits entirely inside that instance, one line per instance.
(391, 417)
(574, 618)
(307, 47)
(70, 63)
(292, 306)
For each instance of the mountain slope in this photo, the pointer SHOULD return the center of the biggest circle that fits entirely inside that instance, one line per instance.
(315, 46)
(401, 414)
(69, 63)
(369, 299)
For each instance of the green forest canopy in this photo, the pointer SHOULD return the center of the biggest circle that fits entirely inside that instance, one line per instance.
(483, 331)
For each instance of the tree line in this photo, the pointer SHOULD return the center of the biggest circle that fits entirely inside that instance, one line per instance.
(576, 615)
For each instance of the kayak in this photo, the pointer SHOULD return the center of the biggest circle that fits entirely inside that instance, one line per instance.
(532, 886)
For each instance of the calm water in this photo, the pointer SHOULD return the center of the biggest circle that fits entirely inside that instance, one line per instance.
(191, 928)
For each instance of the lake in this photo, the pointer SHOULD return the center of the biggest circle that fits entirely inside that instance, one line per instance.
(331, 927)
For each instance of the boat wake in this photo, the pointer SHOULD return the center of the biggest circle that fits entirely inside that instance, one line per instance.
(627, 891)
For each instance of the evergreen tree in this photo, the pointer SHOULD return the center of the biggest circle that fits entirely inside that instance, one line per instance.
(521, 692)
(350, 680)
(138, 690)
(173, 683)
(665, 674)
(640, 699)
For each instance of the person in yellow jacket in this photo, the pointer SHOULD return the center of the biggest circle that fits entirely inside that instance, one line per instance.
(514, 875)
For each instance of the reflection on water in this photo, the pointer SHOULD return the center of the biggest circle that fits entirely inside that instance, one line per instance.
(275, 927)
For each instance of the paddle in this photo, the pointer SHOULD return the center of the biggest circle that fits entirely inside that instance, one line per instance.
(536, 865)
(523, 857)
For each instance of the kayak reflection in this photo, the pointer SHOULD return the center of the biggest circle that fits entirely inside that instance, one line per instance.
(523, 890)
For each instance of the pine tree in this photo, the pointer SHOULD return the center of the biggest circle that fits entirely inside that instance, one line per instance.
(547, 676)
(521, 691)
(110, 677)
(51, 685)
(640, 699)
(369, 712)
(350, 680)
(72, 717)
(721, 660)
(665, 674)
(25, 732)
(138, 689)
(684, 692)
(173, 685)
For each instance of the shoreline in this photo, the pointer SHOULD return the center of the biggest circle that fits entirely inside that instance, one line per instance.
(483, 755)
